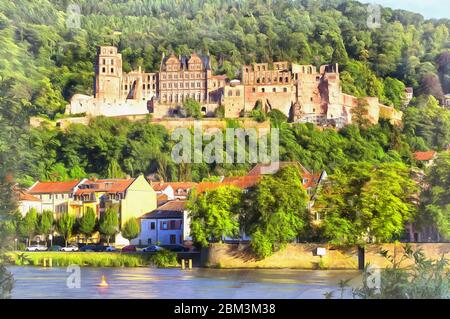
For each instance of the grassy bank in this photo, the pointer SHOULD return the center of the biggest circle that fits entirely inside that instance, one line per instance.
(93, 259)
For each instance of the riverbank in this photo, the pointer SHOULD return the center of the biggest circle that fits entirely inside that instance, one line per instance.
(92, 259)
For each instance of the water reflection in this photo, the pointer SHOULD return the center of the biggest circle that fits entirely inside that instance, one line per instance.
(36, 282)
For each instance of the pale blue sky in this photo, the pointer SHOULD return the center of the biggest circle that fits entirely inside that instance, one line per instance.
(428, 8)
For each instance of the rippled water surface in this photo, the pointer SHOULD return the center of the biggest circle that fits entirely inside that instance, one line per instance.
(35, 282)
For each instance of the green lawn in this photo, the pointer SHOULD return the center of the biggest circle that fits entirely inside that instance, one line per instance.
(89, 259)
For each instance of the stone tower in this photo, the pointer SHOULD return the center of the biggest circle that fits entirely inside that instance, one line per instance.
(108, 75)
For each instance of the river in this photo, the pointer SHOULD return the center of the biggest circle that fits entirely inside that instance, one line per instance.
(50, 283)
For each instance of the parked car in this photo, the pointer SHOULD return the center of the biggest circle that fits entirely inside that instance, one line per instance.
(70, 248)
(153, 248)
(176, 248)
(55, 248)
(37, 248)
(129, 248)
(93, 248)
(110, 248)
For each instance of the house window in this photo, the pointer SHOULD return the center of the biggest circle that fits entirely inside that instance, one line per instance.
(173, 239)
(164, 225)
(152, 226)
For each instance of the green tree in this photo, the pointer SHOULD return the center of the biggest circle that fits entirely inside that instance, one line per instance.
(362, 202)
(215, 214)
(131, 229)
(88, 222)
(192, 108)
(360, 113)
(276, 212)
(45, 222)
(28, 224)
(65, 225)
(435, 210)
(109, 223)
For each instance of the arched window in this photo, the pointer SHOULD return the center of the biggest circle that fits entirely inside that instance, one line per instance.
(230, 93)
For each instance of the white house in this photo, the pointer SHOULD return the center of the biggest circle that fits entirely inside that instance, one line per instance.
(26, 201)
(169, 224)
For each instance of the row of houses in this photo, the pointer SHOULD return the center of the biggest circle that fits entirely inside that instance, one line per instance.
(160, 207)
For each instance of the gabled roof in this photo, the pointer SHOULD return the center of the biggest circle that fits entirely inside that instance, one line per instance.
(53, 187)
(175, 186)
(22, 195)
(105, 185)
(424, 156)
(172, 209)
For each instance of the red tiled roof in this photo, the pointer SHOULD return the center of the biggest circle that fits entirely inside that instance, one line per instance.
(424, 156)
(22, 195)
(175, 185)
(106, 185)
(206, 186)
(53, 187)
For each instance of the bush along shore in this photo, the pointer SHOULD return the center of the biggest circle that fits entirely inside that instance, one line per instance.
(162, 259)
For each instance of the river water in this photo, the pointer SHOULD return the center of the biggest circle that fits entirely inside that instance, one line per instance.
(49, 283)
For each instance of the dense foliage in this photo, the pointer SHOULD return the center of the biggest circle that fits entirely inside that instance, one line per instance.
(367, 203)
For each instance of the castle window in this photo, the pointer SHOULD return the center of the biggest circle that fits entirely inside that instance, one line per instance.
(263, 80)
(175, 85)
(175, 76)
(181, 85)
(287, 79)
(192, 84)
(230, 93)
(164, 85)
(170, 76)
(112, 70)
(274, 89)
(311, 99)
(112, 61)
(253, 90)
(148, 86)
(103, 61)
(126, 87)
(103, 70)
(198, 75)
(170, 85)
(238, 93)
(257, 80)
(284, 89)
(143, 86)
(164, 76)
(154, 87)
(281, 79)
(263, 90)
(198, 84)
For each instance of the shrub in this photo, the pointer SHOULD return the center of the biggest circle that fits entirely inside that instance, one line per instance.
(165, 258)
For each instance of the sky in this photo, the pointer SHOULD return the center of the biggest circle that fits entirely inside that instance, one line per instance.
(428, 8)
